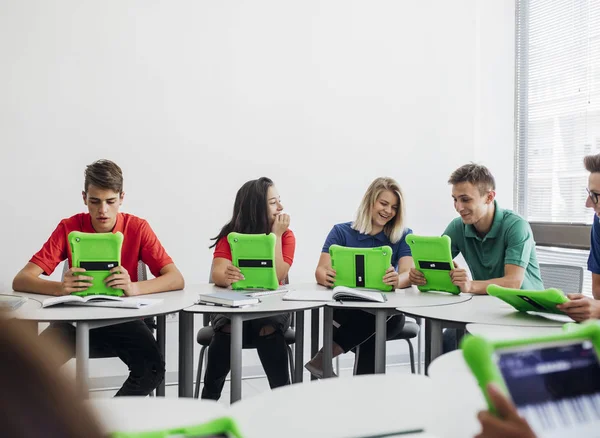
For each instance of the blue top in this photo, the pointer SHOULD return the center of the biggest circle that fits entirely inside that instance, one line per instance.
(345, 235)
(594, 258)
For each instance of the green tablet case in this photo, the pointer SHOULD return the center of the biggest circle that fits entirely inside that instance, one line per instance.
(223, 427)
(254, 255)
(97, 253)
(361, 267)
(479, 353)
(432, 256)
(529, 300)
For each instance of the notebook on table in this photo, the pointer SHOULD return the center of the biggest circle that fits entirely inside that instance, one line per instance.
(554, 381)
(361, 267)
(254, 255)
(433, 258)
(97, 253)
(11, 302)
(227, 298)
(101, 301)
(343, 293)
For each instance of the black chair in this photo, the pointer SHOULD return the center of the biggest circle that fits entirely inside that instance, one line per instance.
(205, 335)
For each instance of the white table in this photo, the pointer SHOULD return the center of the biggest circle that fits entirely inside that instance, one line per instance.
(344, 407)
(500, 332)
(138, 414)
(270, 305)
(481, 309)
(459, 388)
(407, 298)
(88, 318)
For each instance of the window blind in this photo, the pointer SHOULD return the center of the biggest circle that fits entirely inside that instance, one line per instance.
(557, 107)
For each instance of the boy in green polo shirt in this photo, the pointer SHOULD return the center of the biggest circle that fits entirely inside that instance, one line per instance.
(497, 244)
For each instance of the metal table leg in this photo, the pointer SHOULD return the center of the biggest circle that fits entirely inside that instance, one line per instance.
(433, 341)
(236, 357)
(299, 359)
(186, 354)
(327, 341)
(82, 356)
(380, 338)
(161, 335)
(314, 335)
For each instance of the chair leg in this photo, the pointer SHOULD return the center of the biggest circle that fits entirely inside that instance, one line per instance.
(420, 324)
(199, 374)
(291, 363)
(412, 356)
(356, 353)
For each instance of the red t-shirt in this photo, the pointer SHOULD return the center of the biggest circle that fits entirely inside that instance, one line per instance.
(139, 243)
(288, 247)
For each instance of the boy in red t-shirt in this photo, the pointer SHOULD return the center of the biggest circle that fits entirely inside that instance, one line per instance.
(133, 342)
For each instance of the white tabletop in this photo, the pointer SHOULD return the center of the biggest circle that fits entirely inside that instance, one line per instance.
(269, 303)
(171, 302)
(500, 332)
(343, 407)
(482, 309)
(409, 297)
(459, 389)
(138, 414)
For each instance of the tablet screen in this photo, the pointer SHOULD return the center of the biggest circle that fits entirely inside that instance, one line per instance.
(553, 384)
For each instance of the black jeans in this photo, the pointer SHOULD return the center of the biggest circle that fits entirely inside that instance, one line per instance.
(132, 342)
(357, 327)
(451, 339)
(272, 352)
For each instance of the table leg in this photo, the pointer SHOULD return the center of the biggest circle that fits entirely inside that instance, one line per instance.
(236, 357)
(380, 338)
(433, 341)
(299, 359)
(327, 341)
(161, 335)
(82, 355)
(420, 322)
(186, 353)
(314, 335)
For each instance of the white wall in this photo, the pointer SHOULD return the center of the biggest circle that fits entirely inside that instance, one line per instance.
(194, 98)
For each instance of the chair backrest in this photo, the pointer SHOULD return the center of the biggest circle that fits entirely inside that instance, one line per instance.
(567, 278)
(142, 270)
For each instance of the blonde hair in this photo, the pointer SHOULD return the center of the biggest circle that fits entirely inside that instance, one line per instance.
(363, 223)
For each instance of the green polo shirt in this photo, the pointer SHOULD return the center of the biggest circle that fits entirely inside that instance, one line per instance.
(509, 242)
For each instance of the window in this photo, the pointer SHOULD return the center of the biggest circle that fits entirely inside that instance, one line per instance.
(558, 106)
(557, 115)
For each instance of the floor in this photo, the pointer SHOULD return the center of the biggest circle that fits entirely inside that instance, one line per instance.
(251, 386)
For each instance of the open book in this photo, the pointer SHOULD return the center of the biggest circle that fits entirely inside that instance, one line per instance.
(343, 293)
(101, 301)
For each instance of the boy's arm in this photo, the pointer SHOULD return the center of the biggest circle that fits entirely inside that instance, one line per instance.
(170, 279)
(513, 278)
(28, 280)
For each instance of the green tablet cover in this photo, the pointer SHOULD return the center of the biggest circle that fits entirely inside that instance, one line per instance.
(432, 257)
(538, 367)
(254, 255)
(97, 253)
(223, 427)
(529, 300)
(361, 267)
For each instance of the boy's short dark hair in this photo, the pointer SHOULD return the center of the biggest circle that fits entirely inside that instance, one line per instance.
(476, 174)
(104, 174)
(592, 163)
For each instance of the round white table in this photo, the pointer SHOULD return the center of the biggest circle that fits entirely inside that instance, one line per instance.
(405, 298)
(88, 318)
(344, 407)
(499, 332)
(482, 309)
(269, 305)
(459, 388)
(138, 414)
